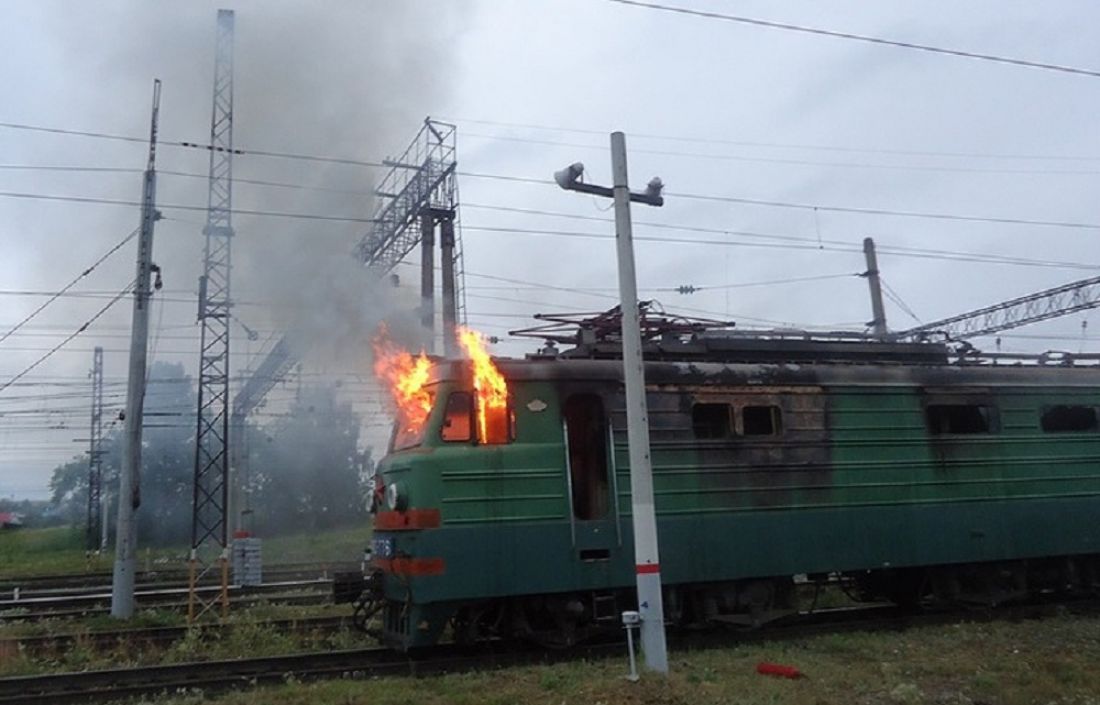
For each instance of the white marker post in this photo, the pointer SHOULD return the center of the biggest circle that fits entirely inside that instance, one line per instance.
(643, 512)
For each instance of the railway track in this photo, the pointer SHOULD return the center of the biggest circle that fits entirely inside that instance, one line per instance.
(212, 676)
(159, 636)
(73, 583)
(299, 592)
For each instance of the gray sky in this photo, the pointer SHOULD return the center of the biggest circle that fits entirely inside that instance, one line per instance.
(744, 112)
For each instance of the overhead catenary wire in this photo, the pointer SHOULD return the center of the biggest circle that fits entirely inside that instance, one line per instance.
(64, 342)
(514, 179)
(836, 34)
(61, 292)
(781, 145)
(782, 161)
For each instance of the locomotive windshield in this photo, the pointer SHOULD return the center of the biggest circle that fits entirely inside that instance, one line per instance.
(409, 429)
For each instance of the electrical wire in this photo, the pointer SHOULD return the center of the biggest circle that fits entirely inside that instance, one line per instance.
(940, 255)
(178, 206)
(513, 179)
(64, 342)
(896, 298)
(782, 145)
(70, 285)
(798, 162)
(886, 211)
(771, 24)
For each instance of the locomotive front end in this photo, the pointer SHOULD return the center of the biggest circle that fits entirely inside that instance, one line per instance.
(446, 414)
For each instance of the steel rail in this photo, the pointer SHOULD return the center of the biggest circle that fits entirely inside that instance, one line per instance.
(312, 598)
(100, 639)
(285, 571)
(152, 595)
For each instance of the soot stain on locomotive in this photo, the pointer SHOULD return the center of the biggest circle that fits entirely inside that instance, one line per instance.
(790, 464)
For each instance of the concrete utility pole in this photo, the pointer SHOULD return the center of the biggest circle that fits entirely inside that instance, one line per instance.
(129, 485)
(643, 511)
(878, 311)
(96, 521)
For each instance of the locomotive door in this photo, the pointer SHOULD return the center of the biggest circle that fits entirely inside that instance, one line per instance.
(589, 466)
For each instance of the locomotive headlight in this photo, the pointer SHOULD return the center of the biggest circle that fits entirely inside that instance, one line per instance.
(396, 497)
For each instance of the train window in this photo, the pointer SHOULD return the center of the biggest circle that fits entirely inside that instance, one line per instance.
(408, 433)
(1069, 418)
(959, 418)
(711, 420)
(586, 443)
(457, 418)
(761, 421)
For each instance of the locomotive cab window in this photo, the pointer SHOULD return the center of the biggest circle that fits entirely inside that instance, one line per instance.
(1057, 419)
(761, 421)
(711, 420)
(458, 418)
(959, 419)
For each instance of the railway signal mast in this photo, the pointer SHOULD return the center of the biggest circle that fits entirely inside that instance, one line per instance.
(643, 511)
(209, 514)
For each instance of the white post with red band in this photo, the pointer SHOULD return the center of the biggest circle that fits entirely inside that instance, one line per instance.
(643, 513)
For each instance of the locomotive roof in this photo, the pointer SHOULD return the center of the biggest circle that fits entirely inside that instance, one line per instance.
(764, 374)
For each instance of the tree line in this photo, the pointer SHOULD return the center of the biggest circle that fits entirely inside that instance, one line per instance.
(306, 470)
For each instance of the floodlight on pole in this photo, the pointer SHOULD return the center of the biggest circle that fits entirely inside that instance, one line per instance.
(643, 510)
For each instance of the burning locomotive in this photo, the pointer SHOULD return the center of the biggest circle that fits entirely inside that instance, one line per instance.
(502, 507)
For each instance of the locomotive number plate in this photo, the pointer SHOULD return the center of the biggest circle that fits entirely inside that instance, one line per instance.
(382, 547)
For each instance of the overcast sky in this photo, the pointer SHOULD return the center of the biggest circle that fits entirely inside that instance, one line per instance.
(712, 107)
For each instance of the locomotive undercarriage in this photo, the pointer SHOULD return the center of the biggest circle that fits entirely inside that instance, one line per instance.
(563, 620)
(979, 584)
(560, 621)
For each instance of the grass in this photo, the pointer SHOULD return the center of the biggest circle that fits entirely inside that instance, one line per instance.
(60, 550)
(26, 552)
(1007, 663)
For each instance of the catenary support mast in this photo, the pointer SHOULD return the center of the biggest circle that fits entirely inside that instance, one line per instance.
(129, 484)
(210, 510)
(878, 311)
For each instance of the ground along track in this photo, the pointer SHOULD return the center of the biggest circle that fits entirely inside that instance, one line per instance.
(161, 636)
(210, 676)
(315, 591)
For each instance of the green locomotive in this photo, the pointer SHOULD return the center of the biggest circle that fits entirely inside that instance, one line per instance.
(908, 475)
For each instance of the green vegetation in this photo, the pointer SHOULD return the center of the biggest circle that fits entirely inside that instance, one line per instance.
(1048, 661)
(335, 545)
(45, 552)
(60, 550)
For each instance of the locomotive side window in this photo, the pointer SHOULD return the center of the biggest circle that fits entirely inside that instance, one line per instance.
(457, 419)
(1056, 419)
(761, 421)
(959, 418)
(711, 420)
(586, 429)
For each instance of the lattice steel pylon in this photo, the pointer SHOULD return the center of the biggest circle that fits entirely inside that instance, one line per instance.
(95, 456)
(209, 525)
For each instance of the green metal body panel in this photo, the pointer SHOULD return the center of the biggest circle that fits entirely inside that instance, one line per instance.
(854, 481)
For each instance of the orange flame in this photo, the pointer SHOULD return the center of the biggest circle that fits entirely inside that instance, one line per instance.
(405, 376)
(492, 391)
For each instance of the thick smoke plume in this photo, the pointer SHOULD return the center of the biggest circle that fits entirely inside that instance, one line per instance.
(351, 80)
